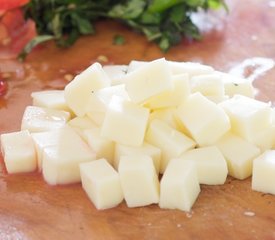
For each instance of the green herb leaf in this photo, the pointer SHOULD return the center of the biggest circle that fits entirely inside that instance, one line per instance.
(216, 4)
(84, 26)
(164, 44)
(165, 22)
(150, 18)
(196, 3)
(161, 5)
(118, 40)
(129, 10)
(32, 44)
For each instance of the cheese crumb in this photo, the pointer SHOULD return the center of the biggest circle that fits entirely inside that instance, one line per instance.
(68, 77)
(249, 214)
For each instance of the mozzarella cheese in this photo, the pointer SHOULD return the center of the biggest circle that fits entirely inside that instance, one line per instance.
(78, 91)
(38, 119)
(18, 152)
(204, 120)
(101, 183)
(179, 186)
(139, 181)
(125, 122)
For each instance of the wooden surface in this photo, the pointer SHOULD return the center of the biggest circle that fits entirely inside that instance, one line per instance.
(30, 209)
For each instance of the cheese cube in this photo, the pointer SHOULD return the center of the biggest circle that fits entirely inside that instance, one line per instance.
(148, 80)
(101, 183)
(78, 91)
(167, 115)
(235, 85)
(116, 73)
(103, 147)
(208, 85)
(248, 116)
(239, 155)
(144, 149)
(53, 99)
(97, 117)
(172, 97)
(210, 164)
(82, 123)
(135, 64)
(100, 99)
(179, 186)
(265, 138)
(37, 119)
(79, 124)
(139, 181)
(171, 142)
(263, 176)
(191, 68)
(125, 122)
(45, 139)
(60, 163)
(18, 152)
(217, 99)
(205, 120)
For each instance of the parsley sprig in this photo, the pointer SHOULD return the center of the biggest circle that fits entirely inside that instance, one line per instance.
(165, 22)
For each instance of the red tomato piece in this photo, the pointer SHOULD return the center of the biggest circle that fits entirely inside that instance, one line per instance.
(9, 4)
(13, 20)
(3, 88)
(15, 33)
(26, 33)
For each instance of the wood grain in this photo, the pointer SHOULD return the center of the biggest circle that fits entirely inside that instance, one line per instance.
(32, 210)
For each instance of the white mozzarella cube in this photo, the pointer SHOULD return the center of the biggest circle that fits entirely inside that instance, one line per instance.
(263, 176)
(101, 183)
(82, 123)
(103, 147)
(171, 142)
(139, 181)
(209, 85)
(38, 119)
(205, 121)
(191, 68)
(125, 122)
(18, 152)
(100, 99)
(97, 117)
(60, 163)
(78, 91)
(210, 164)
(172, 97)
(53, 99)
(265, 138)
(239, 155)
(116, 73)
(167, 115)
(273, 125)
(144, 149)
(135, 64)
(148, 80)
(217, 99)
(79, 124)
(235, 85)
(248, 116)
(45, 139)
(179, 186)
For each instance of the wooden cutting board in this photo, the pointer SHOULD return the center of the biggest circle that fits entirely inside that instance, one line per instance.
(31, 209)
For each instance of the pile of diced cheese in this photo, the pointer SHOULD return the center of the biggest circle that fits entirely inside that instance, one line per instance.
(147, 133)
